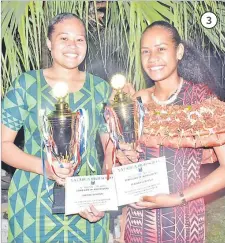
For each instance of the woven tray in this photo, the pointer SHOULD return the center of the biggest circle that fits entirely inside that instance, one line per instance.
(194, 126)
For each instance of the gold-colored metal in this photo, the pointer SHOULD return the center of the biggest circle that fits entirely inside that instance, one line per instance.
(63, 127)
(62, 122)
(123, 105)
(62, 108)
(121, 97)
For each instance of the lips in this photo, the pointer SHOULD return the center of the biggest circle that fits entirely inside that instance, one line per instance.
(71, 55)
(155, 68)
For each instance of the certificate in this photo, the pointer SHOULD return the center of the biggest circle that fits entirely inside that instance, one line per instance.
(145, 178)
(83, 191)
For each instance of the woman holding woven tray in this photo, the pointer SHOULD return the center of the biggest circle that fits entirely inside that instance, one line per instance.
(175, 127)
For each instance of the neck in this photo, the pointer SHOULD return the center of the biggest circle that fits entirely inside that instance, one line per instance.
(165, 88)
(67, 75)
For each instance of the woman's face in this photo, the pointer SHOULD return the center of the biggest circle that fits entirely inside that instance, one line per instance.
(159, 56)
(68, 43)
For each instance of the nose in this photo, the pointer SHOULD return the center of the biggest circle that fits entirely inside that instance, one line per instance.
(153, 57)
(72, 43)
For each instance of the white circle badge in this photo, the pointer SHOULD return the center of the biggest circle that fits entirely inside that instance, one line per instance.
(209, 20)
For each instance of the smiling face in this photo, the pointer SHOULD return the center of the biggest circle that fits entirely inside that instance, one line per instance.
(68, 43)
(159, 54)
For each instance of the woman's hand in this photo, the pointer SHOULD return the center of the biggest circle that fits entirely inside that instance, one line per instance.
(92, 215)
(59, 171)
(126, 154)
(158, 201)
(128, 89)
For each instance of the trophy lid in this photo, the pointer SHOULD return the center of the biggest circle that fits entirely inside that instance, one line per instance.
(60, 91)
(118, 81)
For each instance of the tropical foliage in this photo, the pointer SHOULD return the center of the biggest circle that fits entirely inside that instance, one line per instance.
(114, 30)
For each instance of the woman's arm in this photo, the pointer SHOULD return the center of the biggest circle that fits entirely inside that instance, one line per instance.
(16, 158)
(108, 153)
(210, 184)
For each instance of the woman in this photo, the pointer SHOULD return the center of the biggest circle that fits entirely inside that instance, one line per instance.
(30, 217)
(178, 217)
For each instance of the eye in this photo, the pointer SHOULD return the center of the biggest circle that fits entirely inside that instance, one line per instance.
(64, 38)
(80, 40)
(144, 51)
(162, 48)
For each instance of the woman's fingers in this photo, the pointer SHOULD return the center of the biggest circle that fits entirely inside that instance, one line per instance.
(126, 154)
(91, 216)
(124, 160)
(96, 212)
(145, 204)
(63, 168)
(134, 205)
(139, 149)
(125, 146)
(129, 89)
(59, 171)
(60, 181)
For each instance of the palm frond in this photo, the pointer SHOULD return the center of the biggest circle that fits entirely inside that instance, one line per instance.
(114, 41)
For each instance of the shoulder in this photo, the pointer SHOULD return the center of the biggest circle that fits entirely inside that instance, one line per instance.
(25, 79)
(144, 94)
(198, 86)
(99, 82)
(101, 87)
(200, 91)
(29, 74)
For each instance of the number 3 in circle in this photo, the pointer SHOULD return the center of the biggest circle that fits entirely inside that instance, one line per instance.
(209, 20)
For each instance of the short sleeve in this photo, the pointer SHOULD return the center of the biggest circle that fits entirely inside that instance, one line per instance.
(202, 92)
(107, 90)
(14, 110)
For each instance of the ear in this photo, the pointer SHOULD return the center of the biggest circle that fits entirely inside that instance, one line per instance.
(180, 51)
(49, 44)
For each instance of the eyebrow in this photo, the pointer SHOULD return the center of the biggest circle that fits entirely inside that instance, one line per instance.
(162, 44)
(65, 33)
(155, 45)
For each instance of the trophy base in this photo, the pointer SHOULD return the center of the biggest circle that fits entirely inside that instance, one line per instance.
(58, 205)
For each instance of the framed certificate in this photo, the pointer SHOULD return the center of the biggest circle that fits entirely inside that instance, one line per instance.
(140, 179)
(83, 191)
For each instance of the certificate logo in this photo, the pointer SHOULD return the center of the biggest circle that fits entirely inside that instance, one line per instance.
(140, 169)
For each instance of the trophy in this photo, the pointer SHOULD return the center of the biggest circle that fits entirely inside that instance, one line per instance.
(120, 117)
(125, 119)
(62, 130)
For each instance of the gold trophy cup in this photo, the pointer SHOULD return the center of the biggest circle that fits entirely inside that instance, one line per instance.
(62, 140)
(123, 106)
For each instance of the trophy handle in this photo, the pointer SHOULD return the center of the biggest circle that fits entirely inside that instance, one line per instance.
(140, 115)
(80, 136)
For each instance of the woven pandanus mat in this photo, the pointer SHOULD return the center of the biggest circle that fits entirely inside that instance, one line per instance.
(195, 126)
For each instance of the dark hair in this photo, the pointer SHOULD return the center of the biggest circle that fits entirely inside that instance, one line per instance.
(174, 33)
(192, 67)
(59, 18)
